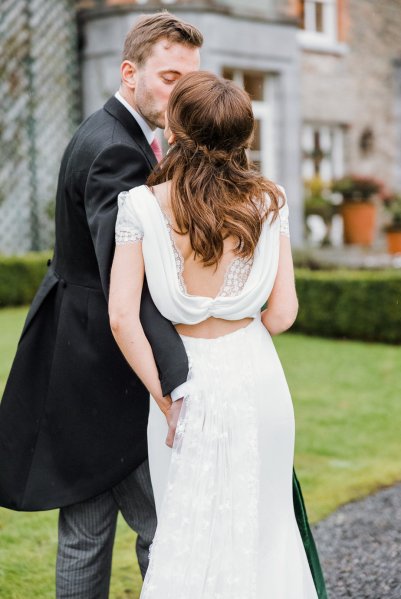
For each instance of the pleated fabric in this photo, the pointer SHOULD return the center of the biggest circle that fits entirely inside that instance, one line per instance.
(226, 522)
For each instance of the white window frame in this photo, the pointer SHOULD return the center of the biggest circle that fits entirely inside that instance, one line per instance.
(329, 18)
(333, 138)
(321, 41)
(263, 112)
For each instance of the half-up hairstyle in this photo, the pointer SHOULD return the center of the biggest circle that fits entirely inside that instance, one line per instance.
(215, 191)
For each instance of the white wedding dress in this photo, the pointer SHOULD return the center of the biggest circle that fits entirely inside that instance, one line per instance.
(226, 522)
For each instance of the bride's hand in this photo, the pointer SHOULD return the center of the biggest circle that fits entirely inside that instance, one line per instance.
(172, 415)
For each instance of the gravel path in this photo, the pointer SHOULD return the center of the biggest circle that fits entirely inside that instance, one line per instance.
(360, 547)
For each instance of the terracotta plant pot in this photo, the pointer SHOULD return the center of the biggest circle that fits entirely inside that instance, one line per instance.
(359, 222)
(393, 241)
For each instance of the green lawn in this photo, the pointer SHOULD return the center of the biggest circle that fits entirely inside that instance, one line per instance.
(347, 398)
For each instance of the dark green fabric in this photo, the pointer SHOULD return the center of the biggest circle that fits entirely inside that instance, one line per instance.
(307, 538)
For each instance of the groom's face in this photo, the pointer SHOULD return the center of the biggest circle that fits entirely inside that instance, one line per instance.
(156, 78)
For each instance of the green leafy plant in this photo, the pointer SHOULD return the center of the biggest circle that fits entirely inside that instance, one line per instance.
(392, 205)
(318, 198)
(20, 277)
(350, 304)
(357, 188)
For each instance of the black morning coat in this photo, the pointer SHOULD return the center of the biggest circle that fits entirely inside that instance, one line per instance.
(74, 415)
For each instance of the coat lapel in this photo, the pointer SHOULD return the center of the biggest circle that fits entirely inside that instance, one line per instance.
(118, 111)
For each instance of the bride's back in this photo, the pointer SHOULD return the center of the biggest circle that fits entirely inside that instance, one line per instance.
(225, 277)
(198, 279)
(213, 199)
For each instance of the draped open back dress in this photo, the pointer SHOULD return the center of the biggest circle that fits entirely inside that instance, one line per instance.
(226, 523)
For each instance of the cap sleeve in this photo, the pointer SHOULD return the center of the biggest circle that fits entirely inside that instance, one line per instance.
(284, 214)
(128, 226)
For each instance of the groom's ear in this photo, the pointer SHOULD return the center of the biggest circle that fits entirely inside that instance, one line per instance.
(128, 74)
(171, 138)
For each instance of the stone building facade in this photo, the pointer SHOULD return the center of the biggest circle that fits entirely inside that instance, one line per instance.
(351, 88)
(253, 42)
(325, 76)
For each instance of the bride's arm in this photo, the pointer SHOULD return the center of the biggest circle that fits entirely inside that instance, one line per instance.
(282, 307)
(127, 275)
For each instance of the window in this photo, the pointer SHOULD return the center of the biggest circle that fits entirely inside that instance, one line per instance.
(260, 87)
(322, 151)
(322, 161)
(324, 24)
(319, 17)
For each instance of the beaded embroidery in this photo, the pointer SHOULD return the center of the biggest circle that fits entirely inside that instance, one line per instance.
(237, 272)
(178, 258)
(284, 226)
(128, 236)
(126, 231)
(234, 279)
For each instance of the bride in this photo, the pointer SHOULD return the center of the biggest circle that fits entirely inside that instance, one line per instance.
(212, 236)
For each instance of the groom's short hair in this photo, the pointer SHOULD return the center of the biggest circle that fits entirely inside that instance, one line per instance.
(149, 29)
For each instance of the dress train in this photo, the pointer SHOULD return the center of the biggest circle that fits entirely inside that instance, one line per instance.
(226, 522)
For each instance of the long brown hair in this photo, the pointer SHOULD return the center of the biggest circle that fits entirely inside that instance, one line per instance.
(215, 192)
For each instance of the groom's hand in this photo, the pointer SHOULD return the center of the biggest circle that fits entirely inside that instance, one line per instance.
(172, 415)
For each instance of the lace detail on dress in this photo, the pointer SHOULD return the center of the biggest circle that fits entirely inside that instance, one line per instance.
(284, 214)
(208, 520)
(284, 227)
(127, 229)
(235, 278)
(179, 260)
(128, 236)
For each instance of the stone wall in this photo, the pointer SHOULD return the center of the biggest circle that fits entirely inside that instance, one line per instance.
(358, 87)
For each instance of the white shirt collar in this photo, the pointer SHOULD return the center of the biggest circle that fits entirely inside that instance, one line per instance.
(146, 130)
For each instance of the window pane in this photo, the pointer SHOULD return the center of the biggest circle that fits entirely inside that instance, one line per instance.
(253, 84)
(255, 154)
(323, 151)
(310, 15)
(302, 14)
(256, 143)
(317, 152)
(319, 17)
(228, 73)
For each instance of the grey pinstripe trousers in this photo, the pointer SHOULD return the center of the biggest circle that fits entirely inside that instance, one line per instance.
(86, 536)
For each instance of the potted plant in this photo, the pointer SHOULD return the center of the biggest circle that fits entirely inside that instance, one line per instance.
(358, 208)
(318, 201)
(392, 204)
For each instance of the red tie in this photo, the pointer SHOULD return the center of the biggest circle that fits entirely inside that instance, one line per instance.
(157, 149)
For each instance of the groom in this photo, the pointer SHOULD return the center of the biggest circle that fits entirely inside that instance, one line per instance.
(73, 417)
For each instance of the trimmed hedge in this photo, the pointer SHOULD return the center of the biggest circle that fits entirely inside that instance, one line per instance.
(350, 304)
(338, 303)
(20, 277)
